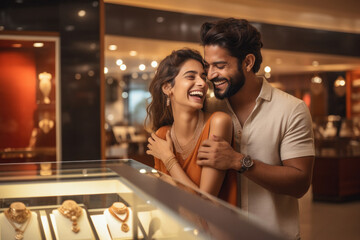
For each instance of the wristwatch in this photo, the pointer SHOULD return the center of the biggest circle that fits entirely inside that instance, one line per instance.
(246, 163)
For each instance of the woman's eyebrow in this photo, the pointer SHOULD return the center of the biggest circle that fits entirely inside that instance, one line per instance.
(190, 71)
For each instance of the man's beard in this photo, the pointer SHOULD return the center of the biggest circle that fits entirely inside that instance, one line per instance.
(234, 85)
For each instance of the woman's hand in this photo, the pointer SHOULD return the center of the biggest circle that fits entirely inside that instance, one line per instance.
(160, 148)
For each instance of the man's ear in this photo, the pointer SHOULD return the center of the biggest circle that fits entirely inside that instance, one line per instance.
(166, 87)
(249, 62)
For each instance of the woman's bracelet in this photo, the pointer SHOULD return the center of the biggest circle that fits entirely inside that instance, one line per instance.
(170, 162)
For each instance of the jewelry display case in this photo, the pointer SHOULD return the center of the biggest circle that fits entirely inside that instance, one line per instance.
(113, 199)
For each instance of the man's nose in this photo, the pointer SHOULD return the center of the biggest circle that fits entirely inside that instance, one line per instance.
(211, 73)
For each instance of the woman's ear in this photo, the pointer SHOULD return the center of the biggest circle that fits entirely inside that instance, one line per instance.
(166, 87)
(249, 62)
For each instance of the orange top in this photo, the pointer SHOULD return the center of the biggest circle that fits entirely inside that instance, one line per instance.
(228, 191)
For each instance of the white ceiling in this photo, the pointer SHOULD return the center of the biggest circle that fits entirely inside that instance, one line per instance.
(321, 14)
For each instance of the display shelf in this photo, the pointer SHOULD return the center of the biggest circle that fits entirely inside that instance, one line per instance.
(157, 206)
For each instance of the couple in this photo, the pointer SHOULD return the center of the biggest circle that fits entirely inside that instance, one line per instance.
(270, 130)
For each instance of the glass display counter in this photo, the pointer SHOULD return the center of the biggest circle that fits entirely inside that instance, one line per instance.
(113, 199)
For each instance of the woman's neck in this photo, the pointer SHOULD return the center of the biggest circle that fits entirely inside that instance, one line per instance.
(185, 123)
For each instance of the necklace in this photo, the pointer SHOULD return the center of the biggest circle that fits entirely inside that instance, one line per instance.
(18, 213)
(120, 208)
(187, 149)
(71, 210)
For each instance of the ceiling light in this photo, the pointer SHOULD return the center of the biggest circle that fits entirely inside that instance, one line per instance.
(267, 69)
(106, 70)
(142, 67)
(119, 62)
(112, 47)
(133, 53)
(82, 13)
(38, 44)
(316, 79)
(160, 19)
(122, 67)
(125, 95)
(315, 63)
(339, 86)
(154, 64)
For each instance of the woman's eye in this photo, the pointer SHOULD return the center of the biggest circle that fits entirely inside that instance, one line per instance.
(190, 77)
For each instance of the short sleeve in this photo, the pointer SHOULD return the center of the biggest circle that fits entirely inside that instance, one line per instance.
(298, 140)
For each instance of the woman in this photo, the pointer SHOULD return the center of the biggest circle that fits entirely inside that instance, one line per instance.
(178, 92)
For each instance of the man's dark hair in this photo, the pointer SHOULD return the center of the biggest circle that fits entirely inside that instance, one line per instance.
(238, 36)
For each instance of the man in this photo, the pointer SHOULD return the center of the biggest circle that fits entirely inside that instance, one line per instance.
(273, 130)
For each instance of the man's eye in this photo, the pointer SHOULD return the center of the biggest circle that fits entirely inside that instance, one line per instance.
(221, 66)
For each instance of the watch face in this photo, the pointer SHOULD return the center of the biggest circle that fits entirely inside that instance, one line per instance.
(247, 162)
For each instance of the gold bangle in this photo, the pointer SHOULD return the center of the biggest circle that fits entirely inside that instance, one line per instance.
(170, 162)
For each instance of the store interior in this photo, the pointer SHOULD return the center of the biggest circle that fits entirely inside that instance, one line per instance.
(82, 94)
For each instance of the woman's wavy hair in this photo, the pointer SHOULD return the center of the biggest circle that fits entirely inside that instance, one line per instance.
(238, 36)
(158, 114)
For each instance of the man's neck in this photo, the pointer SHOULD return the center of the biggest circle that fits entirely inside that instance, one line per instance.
(243, 102)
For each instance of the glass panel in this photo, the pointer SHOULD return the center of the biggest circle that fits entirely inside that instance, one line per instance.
(28, 80)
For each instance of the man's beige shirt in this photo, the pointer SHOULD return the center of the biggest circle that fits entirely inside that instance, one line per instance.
(279, 128)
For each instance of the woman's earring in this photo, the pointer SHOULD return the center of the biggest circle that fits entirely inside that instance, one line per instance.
(167, 101)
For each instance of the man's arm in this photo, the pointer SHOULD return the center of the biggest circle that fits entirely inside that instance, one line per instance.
(292, 178)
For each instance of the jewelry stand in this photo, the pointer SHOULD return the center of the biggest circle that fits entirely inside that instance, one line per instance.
(115, 226)
(63, 225)
(32, 231)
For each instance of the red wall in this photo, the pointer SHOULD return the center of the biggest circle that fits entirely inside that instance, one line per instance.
(17, 98)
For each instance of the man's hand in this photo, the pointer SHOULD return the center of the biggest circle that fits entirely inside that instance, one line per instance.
(217, 153)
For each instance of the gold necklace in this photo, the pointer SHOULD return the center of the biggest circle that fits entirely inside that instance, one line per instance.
(120, 208)
(18, 213)
(187, 149)
(71, 210)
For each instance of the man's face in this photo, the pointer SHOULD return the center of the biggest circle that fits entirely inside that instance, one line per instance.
(223, 71)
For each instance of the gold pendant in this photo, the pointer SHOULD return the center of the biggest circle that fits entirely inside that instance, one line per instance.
(124, 227)
(75, 229)
(19, 235)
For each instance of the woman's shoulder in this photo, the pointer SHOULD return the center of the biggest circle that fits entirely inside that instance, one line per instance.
(218, 118)
(162, 131)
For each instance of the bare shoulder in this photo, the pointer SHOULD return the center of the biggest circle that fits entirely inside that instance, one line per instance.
(221, 118)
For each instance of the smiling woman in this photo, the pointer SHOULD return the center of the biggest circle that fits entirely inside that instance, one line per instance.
(178, 92)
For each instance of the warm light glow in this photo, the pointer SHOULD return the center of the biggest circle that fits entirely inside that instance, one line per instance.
(112, 47)
(267, 75)
(82, 13)
(160, 19)
(122, 67)
(267, 69)
(315, 63)
(16, 45)
(154, 64)
(106, 70)
(119, 62)
(38, 44)
(339, 82)
(142, 67)
(133, 53)
(316, 79)
(77, 76)
(142, 170)
(134, 75)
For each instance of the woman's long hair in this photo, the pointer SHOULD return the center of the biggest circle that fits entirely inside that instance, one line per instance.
(158, 114)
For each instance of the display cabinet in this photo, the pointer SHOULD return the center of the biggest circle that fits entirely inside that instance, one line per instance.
(117, 199)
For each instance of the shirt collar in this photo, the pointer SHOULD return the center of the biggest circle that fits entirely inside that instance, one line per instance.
(266, 90)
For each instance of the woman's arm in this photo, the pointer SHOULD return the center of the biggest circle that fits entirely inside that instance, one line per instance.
(211, 178)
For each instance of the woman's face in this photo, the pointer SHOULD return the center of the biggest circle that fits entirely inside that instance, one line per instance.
(190, 85)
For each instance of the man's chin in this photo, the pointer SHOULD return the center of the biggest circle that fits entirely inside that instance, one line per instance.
(220, 95)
